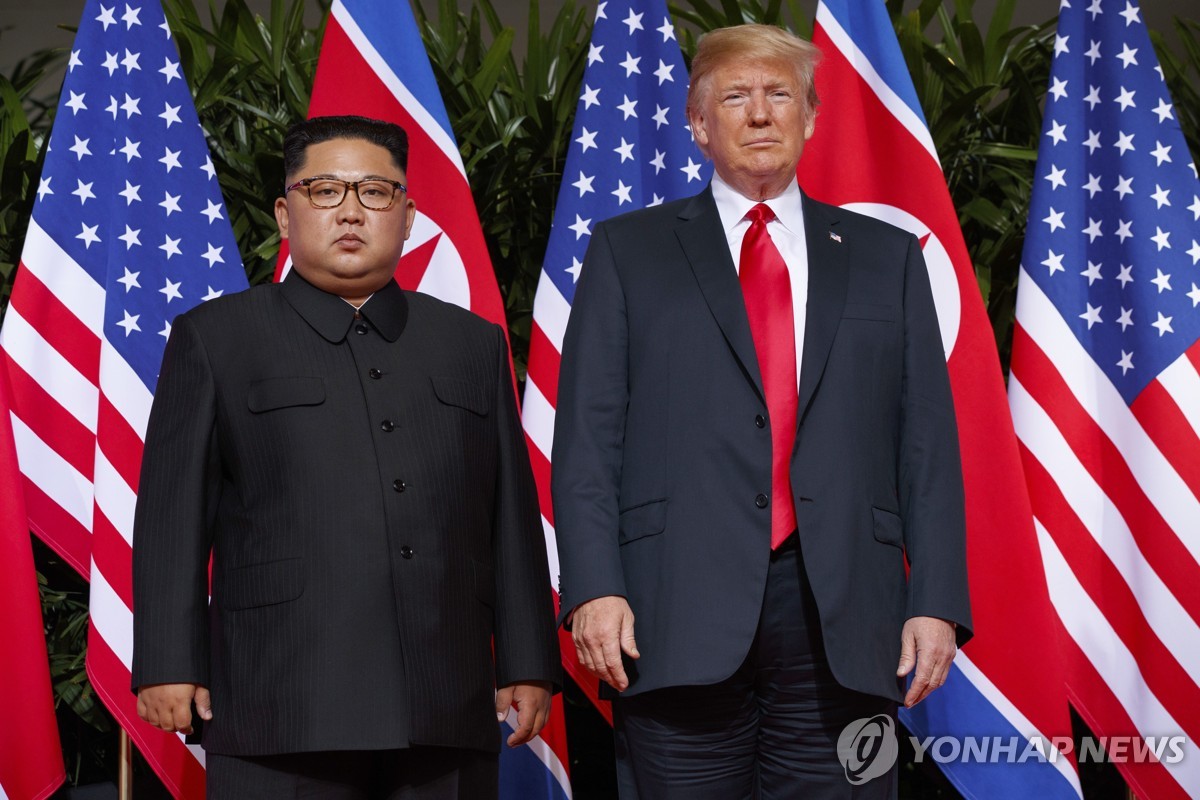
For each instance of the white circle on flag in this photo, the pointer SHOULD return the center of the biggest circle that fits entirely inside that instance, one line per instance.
(446, 276)
(942, 279)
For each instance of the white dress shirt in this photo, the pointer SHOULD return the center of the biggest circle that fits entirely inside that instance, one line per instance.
(787, 232)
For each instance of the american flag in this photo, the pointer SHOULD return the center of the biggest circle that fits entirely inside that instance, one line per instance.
(631, 148)
(129, 229)
(373, 63)
(872, 152)
(1105, 390)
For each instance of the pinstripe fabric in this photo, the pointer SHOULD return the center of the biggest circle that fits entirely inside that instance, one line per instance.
(365, 490)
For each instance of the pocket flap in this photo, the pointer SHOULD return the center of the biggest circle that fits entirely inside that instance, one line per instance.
(455, 392)
(888, 527)
(642, 520)
(875, 311)
(265, 584)
(271, 393)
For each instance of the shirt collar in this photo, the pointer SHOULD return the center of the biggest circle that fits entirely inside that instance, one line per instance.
(733, 206)
(331, 316)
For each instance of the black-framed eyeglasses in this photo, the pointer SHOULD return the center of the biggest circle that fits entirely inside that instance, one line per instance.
(377, 194)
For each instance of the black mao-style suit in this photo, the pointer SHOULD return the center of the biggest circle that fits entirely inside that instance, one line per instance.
(362, 484)
(662, 468)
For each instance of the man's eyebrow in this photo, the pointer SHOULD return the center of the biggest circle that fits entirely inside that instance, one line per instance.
(331, 176)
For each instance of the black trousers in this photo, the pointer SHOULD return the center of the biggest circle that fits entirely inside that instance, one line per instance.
(768, 732)
(416, 773)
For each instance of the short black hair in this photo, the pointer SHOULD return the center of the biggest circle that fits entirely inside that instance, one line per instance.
(302, 135)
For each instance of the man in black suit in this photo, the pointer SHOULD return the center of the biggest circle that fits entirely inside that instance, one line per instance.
(350, 455)
(755, 434)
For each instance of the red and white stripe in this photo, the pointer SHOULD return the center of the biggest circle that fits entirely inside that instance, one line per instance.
(1116, 498)
(79, 416)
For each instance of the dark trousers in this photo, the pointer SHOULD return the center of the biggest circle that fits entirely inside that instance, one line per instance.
(768, 732)
(417, 773)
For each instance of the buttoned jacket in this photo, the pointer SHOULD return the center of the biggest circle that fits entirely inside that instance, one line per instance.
(662, 447)
(361, 482)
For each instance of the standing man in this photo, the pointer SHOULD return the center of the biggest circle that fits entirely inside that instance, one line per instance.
(350, 456)
(755, 432)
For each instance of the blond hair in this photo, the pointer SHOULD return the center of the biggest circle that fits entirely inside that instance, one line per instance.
(754, 42)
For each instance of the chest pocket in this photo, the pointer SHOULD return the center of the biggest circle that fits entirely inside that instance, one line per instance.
(872, 311)
(272, 393)
(459, 393)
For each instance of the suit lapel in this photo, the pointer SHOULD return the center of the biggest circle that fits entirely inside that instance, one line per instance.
(703, 240)
(828, 276)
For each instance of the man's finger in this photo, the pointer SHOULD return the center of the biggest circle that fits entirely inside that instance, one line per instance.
(524, 731)
(181, 718)
(614, 668)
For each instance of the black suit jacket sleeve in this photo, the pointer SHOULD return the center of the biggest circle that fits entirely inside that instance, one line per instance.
(525, 639)
(929, 480)
(589, 432)
(179, 486)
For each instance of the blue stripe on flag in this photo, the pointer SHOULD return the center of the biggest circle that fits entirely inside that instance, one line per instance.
(401, 47)
(870, 28)
(962, 711)
(523, 775)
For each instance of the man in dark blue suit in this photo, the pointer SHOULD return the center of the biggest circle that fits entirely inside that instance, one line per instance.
(755, 455)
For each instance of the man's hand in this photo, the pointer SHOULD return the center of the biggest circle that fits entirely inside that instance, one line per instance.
(928, 644)
(533, 708)
(602, 629)
(169, 705)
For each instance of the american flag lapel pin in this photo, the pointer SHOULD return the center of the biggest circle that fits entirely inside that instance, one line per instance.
(835, 237)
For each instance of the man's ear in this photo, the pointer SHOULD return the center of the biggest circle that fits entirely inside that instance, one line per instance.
(410, 210)
(281, 216)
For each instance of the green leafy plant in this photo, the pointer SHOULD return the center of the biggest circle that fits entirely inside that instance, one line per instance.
(25, 118)
(251, 78)
(1181, 69)
(982, 94)
(513, 123)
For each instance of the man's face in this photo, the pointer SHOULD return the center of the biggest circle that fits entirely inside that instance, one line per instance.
(752, 122)
(349, 250)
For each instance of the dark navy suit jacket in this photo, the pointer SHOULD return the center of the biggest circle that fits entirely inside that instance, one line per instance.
(658, 460)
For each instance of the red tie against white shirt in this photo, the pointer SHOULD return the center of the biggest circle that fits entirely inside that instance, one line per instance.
(767, 291)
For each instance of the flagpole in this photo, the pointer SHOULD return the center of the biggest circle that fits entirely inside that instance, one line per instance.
(125, 769)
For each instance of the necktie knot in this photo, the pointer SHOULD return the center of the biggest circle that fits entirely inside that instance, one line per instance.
(760, 213)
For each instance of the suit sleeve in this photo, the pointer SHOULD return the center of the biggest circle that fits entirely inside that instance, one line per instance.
(930, 469)
(589, 432)
(172, 523)
(525, 639)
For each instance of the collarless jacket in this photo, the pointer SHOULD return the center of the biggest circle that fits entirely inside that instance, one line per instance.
(362, 483)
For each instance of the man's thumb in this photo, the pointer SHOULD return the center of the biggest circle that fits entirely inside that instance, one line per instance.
(203, 700)
(628, 644)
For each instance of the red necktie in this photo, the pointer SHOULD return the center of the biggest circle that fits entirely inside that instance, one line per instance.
(768, 294)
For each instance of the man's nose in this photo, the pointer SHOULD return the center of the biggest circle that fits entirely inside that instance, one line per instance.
(758, 109)
(351, 209)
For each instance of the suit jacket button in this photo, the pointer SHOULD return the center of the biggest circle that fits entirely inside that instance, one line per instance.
(387, 426)
(406, 552)
(360, 329)
(399, 485)
(760, 421)
(761, 501)
(375, 373)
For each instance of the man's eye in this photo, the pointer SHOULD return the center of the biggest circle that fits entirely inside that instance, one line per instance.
(326, 190)
(372, 190)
